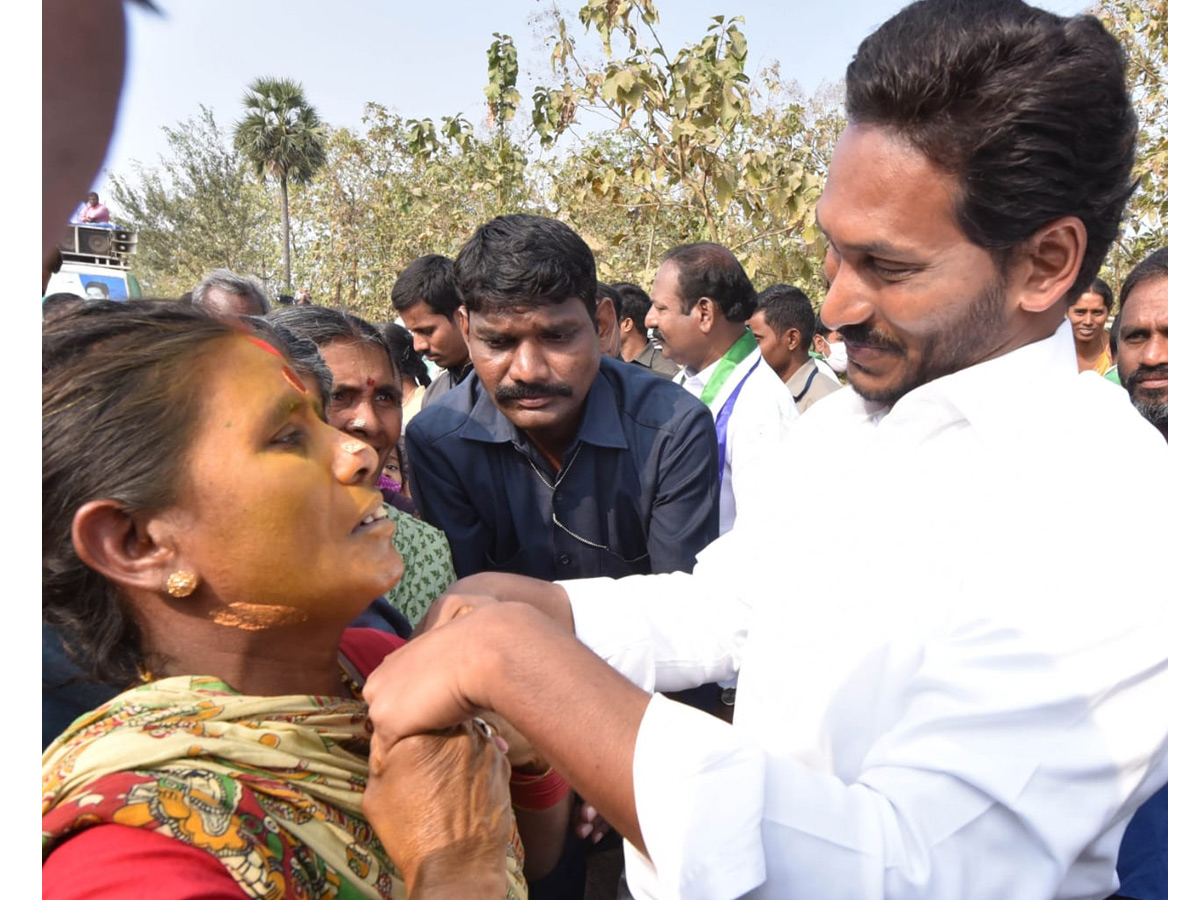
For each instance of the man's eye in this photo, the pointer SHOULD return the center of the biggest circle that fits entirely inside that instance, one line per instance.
(890, 270)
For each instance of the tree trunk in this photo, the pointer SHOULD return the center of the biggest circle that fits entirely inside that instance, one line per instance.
(287, 239)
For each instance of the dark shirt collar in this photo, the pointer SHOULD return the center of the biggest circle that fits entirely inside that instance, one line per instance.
(458, 374)
(600, 426)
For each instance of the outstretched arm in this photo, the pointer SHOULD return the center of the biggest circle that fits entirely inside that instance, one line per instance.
(581, 714)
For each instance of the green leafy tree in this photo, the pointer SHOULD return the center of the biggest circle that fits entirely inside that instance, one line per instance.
(1141, 27)
(283, 138)
(398, 190)
(199, 208)
(695, 150)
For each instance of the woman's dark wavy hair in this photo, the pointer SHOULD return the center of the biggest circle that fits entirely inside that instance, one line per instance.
(119, 411)
(1027, 109)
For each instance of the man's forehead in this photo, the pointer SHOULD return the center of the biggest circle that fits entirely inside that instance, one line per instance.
(420, 312)
(1148, 299)
(549, 315)
(666, 281)
(881, 190)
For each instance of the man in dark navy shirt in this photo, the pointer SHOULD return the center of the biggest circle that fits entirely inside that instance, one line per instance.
(549, 460)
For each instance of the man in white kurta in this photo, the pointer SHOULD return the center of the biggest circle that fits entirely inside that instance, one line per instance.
(962, 716)
(699, 304)
(962, 721)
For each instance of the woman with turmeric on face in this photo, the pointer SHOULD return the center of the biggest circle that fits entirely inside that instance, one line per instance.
(207, 538)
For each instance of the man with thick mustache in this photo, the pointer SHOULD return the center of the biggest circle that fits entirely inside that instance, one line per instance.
(1141, 330)
(965, 717)
(549, 460)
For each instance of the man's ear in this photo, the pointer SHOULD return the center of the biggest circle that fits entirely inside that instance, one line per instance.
(627, 325)
(121, 547)
(1045, 266)
(606, 324)
(791, 338)
(463, 318)
(706, 312)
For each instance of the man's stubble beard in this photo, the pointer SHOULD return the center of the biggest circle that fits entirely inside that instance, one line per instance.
(959, 346)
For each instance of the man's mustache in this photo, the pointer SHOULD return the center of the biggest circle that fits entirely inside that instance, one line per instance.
(531, 391)
(1148, 373)
(862, 335)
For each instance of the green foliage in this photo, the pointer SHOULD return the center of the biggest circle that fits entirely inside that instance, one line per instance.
(283, 138)
(399, 190)
(1141, 27)
(501, 90)
(200, 208)
(281, 134)
(696, 149)
(638, 148)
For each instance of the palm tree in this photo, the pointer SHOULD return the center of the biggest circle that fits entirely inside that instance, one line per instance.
(283, 138)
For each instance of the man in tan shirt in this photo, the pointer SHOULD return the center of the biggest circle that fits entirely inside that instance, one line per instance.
(783, 325)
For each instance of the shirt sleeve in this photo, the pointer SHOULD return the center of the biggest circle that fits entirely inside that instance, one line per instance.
(116, 862)
(670, 631)
(1005, 766)
(685, 517)
(445, 504)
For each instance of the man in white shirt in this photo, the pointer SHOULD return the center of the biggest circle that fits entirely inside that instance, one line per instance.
(967, 719)
(699, 304)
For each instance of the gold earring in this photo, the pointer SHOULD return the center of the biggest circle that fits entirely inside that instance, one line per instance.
(181, 584)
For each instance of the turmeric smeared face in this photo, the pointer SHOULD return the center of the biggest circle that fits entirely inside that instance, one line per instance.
(278, 513)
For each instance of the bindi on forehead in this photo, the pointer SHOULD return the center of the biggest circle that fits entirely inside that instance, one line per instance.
(370, 382)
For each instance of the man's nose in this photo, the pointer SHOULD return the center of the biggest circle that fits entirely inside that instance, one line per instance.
(528, 364)
(1156, 351)
(651, 320)
(846, 300)
(420, 343)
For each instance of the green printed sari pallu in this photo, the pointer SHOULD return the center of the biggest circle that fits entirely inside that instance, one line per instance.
(271, 786)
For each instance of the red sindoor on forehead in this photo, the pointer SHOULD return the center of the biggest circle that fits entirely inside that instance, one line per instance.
(289, 374)
(370, 382)
(258, 342)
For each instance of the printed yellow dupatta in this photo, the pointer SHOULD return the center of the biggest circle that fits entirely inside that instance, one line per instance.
(271, 786)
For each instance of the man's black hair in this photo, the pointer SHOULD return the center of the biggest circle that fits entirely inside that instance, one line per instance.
(430, 279)
(1027, 109)
(712, 271)
(785, 306)
(522, 261)
(1153, 266)
(634, 304)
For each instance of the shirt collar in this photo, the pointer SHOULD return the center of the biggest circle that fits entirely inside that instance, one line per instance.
(993, 391)
(600, 425)
(646, 356)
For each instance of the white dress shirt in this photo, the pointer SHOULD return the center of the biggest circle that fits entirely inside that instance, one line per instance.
(762, 414)
(942, 703)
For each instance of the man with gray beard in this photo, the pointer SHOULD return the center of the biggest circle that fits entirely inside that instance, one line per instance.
(1141, 330)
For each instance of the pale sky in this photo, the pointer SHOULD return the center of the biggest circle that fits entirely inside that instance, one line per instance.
(421, 59)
